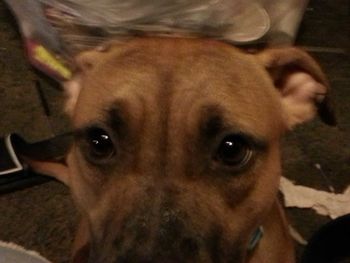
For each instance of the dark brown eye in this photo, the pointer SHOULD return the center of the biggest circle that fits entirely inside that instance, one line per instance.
(100, 145)
(234, 150)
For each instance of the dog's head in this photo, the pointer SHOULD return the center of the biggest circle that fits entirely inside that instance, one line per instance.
(176, 151)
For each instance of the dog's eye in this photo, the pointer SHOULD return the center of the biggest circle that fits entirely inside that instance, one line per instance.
(100, 144)
(234, 150)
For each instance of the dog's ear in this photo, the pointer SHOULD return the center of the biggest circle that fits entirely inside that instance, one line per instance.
(83, 63)
(302, 85)
(72, 90)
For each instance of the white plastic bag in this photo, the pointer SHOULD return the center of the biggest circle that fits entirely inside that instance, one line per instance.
(66, 27)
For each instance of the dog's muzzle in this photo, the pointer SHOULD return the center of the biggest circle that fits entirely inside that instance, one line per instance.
(144, 237)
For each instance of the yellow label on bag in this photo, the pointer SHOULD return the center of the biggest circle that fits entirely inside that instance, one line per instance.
(43, 56)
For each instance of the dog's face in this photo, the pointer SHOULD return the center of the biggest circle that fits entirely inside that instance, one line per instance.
(176, 152)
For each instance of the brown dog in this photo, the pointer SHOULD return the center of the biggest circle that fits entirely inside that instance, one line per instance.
(176, 152)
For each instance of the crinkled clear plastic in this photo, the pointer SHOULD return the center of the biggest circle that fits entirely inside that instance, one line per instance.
(96, 20)
(87, 22)
(66, 27)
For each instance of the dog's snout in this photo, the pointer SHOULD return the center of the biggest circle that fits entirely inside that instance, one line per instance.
(158, 227)
(153, 236)
(174, 235)
(182, 250)
(170, 224)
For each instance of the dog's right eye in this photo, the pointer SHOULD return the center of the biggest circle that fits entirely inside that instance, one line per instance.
(100, 144)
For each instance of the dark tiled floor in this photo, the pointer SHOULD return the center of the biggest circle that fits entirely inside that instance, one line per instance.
(42, 218)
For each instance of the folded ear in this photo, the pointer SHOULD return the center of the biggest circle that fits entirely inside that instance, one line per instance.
(83, 63)
(303, 87)
(72, 89)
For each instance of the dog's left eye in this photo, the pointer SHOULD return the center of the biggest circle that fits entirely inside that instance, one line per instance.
(99, 143)
(234, 150)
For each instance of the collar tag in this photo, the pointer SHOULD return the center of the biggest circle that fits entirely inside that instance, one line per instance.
(256, 237)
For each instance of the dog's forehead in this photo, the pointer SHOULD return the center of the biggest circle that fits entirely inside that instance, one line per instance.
(179, 77)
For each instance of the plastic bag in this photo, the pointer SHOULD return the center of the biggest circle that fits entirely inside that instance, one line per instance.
(66, 27)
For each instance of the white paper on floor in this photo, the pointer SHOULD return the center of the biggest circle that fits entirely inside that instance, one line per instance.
(323, 202)
(13, 253)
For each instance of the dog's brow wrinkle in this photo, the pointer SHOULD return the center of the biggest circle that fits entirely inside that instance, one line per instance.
(212, 121)
(117, 117)
(114, 117)
(212, 126)
(164, 96)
